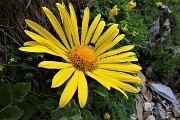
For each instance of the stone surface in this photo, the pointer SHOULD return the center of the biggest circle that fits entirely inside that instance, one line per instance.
(150, 117)
(148, 106)
(139, 107)
(176, 110)
(143, 87)
(164, 91)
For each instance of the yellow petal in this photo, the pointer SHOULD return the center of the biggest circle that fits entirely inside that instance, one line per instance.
(108, 32)
(69, 90)
(98, 31)
(47, 44)
(116, 57)
(118, 60)
(108, 39)
(117, 51)
(110, 45)
(85, 23)
(62, 76)
(43, 32)
(99, 79)
(118, 83)
(32, 43)
(54, 65)
(111, 84)
(82, 89)
(74, 24)
(92, 28)
(125, 67)
(66, 23)
(56, 26)
(37, 49)
(123, 77)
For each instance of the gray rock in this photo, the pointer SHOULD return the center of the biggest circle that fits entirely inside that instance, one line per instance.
(151, 117)
(159, 112)
(176, 111)
(164, 91)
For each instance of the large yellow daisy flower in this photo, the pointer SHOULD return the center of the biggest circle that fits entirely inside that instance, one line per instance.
(87, 54)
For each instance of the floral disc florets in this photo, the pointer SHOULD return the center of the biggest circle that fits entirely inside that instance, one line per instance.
(83, 57)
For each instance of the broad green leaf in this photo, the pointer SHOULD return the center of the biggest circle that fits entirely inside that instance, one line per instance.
(20, 90)
(5, 94)
(11, 113)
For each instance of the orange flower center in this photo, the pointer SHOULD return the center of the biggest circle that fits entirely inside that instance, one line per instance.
(83, 57)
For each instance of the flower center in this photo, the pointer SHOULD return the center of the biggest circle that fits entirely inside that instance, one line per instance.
(83, 57)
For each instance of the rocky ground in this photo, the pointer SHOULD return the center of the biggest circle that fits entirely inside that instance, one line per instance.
(156, 101)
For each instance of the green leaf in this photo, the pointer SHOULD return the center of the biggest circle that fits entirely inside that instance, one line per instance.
(5, 94)
(11, 113)
(20, 90)
(87, 115)
(76, 117)
(70, 111)
(28, 110)
(102, 91)
(50, 104)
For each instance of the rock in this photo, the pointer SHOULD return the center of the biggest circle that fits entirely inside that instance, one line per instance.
(147, 96)
(159, 112)
(148, 106)
(164, 91)
(143, 87)
(150, 117)
(146, 114)
(139, 107)
(176, 111)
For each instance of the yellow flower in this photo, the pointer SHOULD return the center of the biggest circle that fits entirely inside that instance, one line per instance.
(158, 4)
(87, 54)
(134, 34)
(113, 11)
(130, 5)
(107, 116)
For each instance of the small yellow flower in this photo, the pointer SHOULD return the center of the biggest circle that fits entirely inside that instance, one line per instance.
(134, 34)
(130, 5)
(113, 11)
(124, 25)
(108, 67)
(158, 4)
(107, 116)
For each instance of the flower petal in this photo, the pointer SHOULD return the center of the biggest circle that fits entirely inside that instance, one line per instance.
(110, 45)
(123, 77)
(82, 89)
(99, 79)
(112, 84)
(119, 57)
(98, 31)
(47, 44)
(37, 49)
(121, 60)
(62, 76)
(85, 23)
(74, 24)
(118, 83)
(92, 28)
(108, 39)
(54, 65)
(106, 34)
(117, 51)
(69, 90)
(56, 26)
(66, 23)
(125, 67)
(43, 32)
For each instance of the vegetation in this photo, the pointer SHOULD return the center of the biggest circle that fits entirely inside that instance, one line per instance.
(25, 91)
